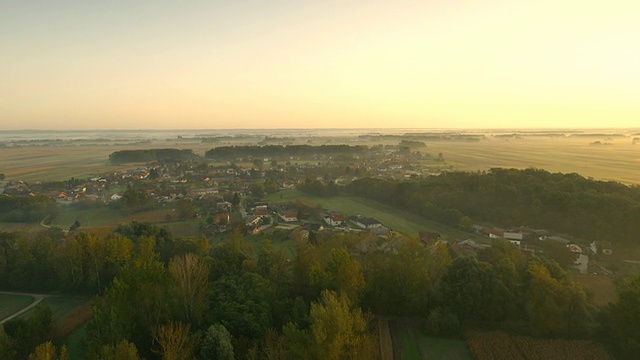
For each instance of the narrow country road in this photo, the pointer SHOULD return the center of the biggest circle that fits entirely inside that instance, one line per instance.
(37, 299)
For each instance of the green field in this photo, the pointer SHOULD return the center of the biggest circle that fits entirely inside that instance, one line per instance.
(60, 305)
(74, 342)
(87, 218)
(409, 343)
(10, 304)
(393, 218)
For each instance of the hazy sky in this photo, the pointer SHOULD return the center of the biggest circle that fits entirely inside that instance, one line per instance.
(137, 64)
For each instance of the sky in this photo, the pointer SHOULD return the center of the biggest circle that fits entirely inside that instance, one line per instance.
(158, 64)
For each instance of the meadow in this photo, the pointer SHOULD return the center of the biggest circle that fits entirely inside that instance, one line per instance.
(10, 304)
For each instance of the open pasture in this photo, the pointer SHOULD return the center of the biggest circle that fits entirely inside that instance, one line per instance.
(10, 304)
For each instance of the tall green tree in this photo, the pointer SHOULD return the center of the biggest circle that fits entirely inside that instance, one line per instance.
(216, 344)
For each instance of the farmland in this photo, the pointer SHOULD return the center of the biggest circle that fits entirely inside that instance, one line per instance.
(598, 156)
(499, 345)
(410, 342)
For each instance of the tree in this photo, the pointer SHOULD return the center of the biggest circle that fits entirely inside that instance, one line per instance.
(191, 277)
(7, 345)
(544, 311)
(624, 317)
(216, 344)
(258, 190)
(185, 208)
(174, 341)
(338, 331)
(123, 350)
(48, 351)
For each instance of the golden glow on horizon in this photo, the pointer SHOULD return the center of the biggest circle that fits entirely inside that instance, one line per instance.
(308, 65)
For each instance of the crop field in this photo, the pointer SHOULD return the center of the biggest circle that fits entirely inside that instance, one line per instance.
(10, 304)
(393, 218)
(602, 287)
(615, 159)
(410, 342)
(56, 163)
(498, 345)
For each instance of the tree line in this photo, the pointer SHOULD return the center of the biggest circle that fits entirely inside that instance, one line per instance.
(148, 155)
(28, 209)
(232, 152)
(566, 203)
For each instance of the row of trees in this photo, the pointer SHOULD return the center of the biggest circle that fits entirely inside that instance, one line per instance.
(26, 208)
(569, 203)
(280, 151)
(126, 156)
(160, 297)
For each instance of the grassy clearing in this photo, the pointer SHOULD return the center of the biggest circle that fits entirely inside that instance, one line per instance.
(88, 218)
(24, 227)
(10, 304)
(409, 342)
(74, 342)
(61, 305)
(395, 219)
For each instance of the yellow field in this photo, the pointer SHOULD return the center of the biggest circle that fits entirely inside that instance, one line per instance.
(619, 161)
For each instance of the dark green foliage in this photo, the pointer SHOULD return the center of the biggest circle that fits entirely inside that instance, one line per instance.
(624, 321)
(26, 208)
(566, 203)
(216, 344)
(231, 152)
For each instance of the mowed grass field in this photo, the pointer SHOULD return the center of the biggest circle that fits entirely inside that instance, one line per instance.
(10, 304)
(393, 218)
(61, 305)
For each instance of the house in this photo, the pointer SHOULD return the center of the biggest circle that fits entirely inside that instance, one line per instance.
(466, 248)
(223, 206)
(603, 247)
(310, 227)
(335, 219)
(115, 197)
(288, 216)
(428, 237)
(261, 210)
(494, 233)
(365, 223)
(221, 219)
(514, 238)
(574, 248)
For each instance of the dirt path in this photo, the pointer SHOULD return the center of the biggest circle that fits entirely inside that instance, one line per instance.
(386, 345)
(37, 298)
(42, 223)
